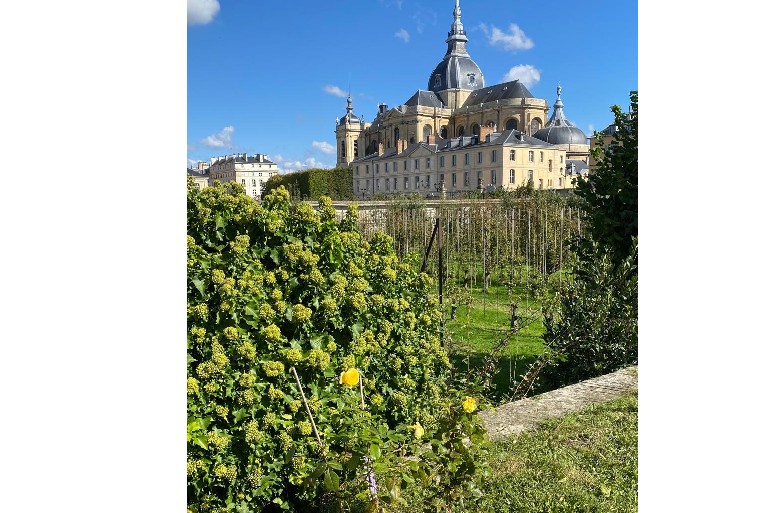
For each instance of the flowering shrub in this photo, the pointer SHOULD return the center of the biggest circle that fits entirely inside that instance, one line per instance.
(281, 295)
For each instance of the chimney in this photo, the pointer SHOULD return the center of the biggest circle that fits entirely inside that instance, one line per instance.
(486, 130)
(382, 108)
(380, 149)
(431, 139)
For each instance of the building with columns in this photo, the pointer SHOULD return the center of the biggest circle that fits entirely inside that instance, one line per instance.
(459, 134)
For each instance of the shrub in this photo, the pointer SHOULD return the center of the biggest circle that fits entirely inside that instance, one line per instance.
(278, 290)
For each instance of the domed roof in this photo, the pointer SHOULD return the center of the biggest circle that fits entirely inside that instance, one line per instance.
(457, 70)
(559, 130)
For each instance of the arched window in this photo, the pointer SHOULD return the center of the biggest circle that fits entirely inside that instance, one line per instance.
(475, 129)
(461, 131)
(511, 124)
(444, 132)
(397, 135)
(343, 151)
(426, 132)
(534, 126)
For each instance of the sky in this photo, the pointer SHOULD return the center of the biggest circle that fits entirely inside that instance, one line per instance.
(272, 77)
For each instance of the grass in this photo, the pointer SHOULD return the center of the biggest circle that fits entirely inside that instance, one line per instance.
(482, 322)
(583, 462)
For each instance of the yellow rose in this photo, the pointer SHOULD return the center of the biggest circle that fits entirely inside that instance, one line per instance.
(350, 377)
(469, 405)
(419, 431)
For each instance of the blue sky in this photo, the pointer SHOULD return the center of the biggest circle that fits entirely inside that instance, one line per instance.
(271, 77)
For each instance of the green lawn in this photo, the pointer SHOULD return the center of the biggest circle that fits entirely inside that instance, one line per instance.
(582, 463)
(483, 322)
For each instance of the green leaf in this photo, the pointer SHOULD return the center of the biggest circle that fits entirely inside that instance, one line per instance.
(336, 465)
(331, 481)
(605, 490)
(357, 329)
(239, 414)
(374, 451)
(201, 441)
(407, 478)
(199, 284)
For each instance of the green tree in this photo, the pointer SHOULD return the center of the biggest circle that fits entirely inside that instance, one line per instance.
(609, 193)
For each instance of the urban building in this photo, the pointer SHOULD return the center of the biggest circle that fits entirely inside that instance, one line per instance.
(459, 134)
(252, 171)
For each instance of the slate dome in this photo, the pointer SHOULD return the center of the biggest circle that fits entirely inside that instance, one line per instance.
(559, 130)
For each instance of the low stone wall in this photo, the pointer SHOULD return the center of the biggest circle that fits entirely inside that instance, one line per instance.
(510, 419)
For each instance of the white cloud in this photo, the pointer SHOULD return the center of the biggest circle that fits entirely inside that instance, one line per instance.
(290, 165)
(323, 147)
(591, 130)
(220, 140)
(524, 73)
(513, 40)
(201, 12)
(403, 34)
(335, 91)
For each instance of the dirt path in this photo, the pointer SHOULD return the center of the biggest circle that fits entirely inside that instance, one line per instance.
(510, 419)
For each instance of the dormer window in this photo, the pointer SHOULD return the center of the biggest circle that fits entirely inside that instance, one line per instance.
(437, 80)
(471, 79)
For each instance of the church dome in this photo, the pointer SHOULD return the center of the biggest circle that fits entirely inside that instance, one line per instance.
(559, 130)
(457, 70)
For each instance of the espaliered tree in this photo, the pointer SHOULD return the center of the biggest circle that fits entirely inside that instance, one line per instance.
(316, 378)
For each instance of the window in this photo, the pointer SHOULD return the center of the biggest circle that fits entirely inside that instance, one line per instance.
(454, 179)
(253, 182)
(243, 182)
(405, 182)
(560, 182)
(550, 184)
(377, 183)
(376, 168)
(480, 176)
(466, 179)
(342, 149)
(386, 184)
(395, 184)
(411, 140)
(255, 193)
(467, 159)
(550, 165)
(357, 170)
(512, 178)
(394, 167)
(561, 159)
(454, 160)
(494, 177)
(405, 165)
(541, 183)
(416, 163)
(494, 155)
(480, 157)
(513, 154)
(532, 156)
(441, 161)
(441, 179)
(416, 182)
(427, 183)
(427, 163)
(529, 175)
(355, 150)
(367, 171)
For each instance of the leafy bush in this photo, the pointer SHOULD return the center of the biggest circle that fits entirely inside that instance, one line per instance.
(279, 293)
(312, 184)
(596, 329)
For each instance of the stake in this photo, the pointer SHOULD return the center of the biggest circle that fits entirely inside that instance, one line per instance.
(306, 404)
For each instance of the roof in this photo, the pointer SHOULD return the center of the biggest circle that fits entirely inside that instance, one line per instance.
(425, 99)
(504, 91)
(559, 130)
(196, 173)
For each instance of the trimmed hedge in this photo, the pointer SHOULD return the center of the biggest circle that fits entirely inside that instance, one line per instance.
(312, 184)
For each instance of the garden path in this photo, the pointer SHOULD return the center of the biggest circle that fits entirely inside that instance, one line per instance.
(510, 419)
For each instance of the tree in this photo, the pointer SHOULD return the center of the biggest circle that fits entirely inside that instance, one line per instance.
(609, 193)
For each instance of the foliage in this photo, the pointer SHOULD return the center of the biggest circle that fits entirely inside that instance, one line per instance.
(610, 192)
(277, 290)
(596, 329)
(312, 184)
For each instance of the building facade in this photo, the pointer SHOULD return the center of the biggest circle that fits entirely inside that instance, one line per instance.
(252, 171)
(459, 134)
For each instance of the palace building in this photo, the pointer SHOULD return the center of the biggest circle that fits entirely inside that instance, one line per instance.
(460, 135)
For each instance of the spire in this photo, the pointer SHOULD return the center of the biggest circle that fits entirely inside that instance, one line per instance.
(558, 117)
(457, 37)
(349, 105)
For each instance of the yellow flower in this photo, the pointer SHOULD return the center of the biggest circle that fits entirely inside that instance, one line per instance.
(419, 431)
(350, 377)
(469, 405)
